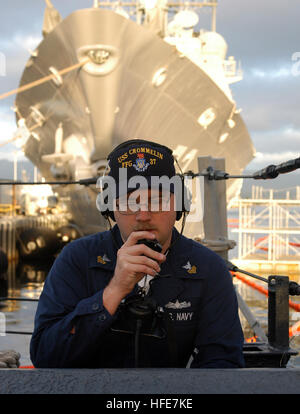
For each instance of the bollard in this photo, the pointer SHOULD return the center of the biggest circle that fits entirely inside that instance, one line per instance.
(215, 204)
(278, 312)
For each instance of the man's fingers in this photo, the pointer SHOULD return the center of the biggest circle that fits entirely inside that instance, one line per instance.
(144, 260)
(143, 250)
(144, 270)
(135, 236)
(136, 271)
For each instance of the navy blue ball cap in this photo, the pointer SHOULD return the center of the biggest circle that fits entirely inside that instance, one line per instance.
(141, 158)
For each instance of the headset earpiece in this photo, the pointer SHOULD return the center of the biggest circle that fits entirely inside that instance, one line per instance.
(101, 202)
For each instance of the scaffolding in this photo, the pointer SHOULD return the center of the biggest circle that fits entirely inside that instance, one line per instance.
(269, 230)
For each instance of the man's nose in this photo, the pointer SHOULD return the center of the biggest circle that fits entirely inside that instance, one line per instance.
(143, 215)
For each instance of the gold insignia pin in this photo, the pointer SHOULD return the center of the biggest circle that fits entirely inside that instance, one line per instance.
(192, 270)
(100, 260)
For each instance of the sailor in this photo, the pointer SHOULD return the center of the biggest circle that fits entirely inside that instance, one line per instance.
(140, 294)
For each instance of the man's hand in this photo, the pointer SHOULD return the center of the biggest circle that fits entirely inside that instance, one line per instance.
(9, 359)
(133, 262)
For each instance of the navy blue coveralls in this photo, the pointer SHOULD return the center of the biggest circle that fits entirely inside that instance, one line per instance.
(195, 294)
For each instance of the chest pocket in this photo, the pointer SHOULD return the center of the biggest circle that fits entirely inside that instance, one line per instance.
(183, 310)
(180, 297)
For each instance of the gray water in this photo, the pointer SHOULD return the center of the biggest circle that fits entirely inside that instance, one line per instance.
(22, 280)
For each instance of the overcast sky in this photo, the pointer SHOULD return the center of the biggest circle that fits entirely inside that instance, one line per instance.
(263, 34)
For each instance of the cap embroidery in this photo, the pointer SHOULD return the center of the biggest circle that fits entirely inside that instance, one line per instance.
(140, 163)
(140, 152)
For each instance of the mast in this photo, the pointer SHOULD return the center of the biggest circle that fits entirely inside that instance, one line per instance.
(214, 17)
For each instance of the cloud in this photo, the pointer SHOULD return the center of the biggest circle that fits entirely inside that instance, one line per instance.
(264, 159)
(270, 75)
(7, 124)
(15, 55)
(7, 129)
(293, 134)
(260, 31)
(20, 41)
(279, 141)
(10, 156)
(269, 99)
(276, 157)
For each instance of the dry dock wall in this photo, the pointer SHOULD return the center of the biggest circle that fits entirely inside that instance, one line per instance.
(150, 381)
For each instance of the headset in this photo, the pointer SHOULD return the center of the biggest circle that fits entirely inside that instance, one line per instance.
(186, 198)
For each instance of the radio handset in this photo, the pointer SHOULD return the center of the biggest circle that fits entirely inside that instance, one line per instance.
(153, 244)
(139, 305)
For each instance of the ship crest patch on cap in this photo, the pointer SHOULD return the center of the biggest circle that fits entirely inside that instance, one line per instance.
(140, 163)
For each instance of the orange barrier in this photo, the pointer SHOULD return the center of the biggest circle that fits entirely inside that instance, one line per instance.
(295, 329)
(252, 339)
(252, 284)
(26, 367)
(257, 241)
(260, 239)
(293, 305)
(233, 222)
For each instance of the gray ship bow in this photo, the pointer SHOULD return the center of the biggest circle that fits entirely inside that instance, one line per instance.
(135, 84)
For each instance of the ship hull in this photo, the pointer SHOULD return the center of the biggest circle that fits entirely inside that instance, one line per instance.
(98, 112)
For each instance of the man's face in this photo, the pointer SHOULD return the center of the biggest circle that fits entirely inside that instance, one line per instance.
(134, 214)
